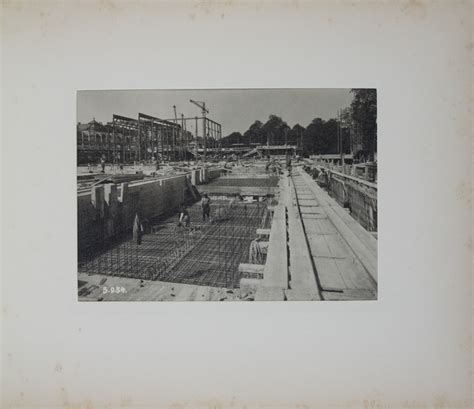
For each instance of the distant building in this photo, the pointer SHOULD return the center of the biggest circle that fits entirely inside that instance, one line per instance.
(96, 140)
(122, 144)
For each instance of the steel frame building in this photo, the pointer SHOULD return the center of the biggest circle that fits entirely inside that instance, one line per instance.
(148, 138)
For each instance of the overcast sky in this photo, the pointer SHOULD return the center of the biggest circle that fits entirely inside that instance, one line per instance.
(235, 110)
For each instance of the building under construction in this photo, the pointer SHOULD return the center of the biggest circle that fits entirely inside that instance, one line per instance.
(273, 234)
(147, 138)
(168, 216)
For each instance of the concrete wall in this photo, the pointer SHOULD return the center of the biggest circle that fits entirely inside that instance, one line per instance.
(108, 211)
(359, 195)
(204, 175)
(212, 173)
(365, 171)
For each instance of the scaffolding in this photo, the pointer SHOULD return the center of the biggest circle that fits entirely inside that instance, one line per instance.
(125, 134)
(159, 139)
(148, 138)
(205, 136)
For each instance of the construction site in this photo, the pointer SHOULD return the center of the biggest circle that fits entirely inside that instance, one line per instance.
(167, 213)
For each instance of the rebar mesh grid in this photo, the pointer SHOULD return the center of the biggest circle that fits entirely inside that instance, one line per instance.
(206, 253)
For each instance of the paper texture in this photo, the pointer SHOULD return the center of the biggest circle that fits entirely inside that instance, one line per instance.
(409, 349)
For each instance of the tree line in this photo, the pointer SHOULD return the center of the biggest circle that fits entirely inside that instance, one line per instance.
(357, 125)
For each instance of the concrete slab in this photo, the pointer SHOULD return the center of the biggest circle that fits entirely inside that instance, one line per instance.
(250, 284)
(269, 294)
(92, 287)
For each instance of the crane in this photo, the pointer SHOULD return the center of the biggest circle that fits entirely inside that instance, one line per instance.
(204, 110)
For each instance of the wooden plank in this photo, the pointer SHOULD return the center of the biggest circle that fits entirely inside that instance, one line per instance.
(366, 257)
(337, 246)
(263, 232)
(251, 268)
(303, 276)
(312, 210)
(276, 267)
(365, 236)
(301, 294)
(308, 202)
(318, 246)
(350, 295)
(319, 226)
(354, 274)
(328, 273)
(301, 268)
(305, 216)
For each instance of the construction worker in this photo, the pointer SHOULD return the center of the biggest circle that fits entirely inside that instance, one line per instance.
(322, 179)
(288, 163)
(255, 252)
(184, 218)
(233, 201)
(206, 207)
(137, 229)
(102, 164)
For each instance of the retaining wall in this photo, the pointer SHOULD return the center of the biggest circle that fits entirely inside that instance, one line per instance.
(365, 171)
(204, 175)
(108, 211)
(360, 196)
(357, 194)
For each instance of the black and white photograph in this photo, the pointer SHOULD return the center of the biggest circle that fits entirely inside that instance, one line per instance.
(227, 195)
(166, 162)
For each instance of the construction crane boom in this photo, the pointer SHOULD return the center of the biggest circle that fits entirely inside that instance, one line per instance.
(200, 104)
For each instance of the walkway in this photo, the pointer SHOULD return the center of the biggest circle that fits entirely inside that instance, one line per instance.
(343, 254)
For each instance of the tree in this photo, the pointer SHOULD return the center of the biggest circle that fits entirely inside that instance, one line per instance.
(295, 135)
(275, 129)
(234, 137)
(254, 134)
(364, 118)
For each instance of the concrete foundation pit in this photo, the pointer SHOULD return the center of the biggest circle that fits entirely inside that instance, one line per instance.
(206, 253)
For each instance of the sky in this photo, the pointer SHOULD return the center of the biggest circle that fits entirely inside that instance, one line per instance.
(234, 109)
